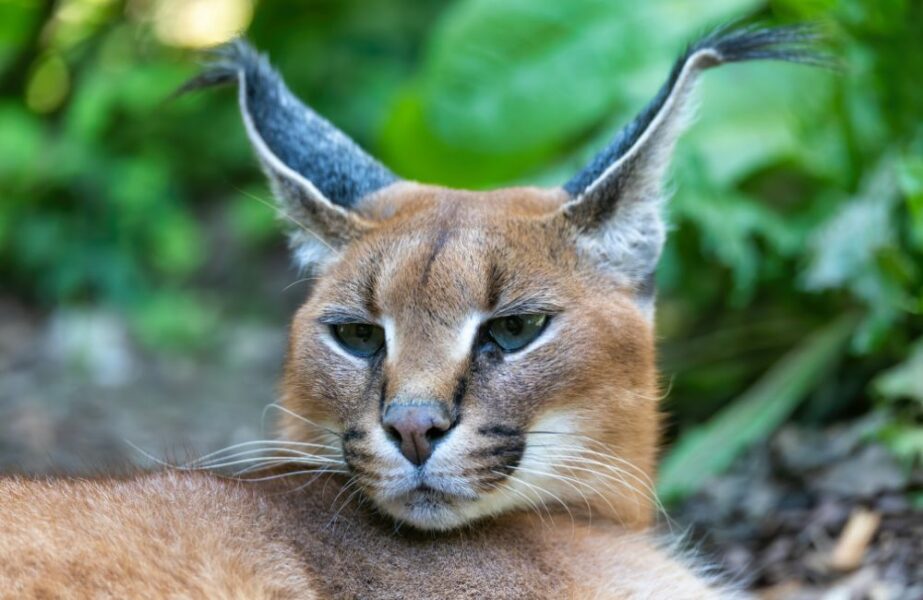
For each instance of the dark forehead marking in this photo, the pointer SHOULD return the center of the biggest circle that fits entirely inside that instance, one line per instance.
(442, 236)
(496, 280)
(368, 284)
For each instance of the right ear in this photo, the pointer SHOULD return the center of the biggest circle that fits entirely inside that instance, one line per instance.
(616, 201)
(318, 174)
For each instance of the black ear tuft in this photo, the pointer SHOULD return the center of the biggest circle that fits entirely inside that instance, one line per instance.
(317, 173)
(794, 43)
(288, 135)
(616, 201)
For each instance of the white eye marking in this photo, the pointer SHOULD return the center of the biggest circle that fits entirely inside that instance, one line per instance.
(391, 347)
(465, 338)
(331, 343)
(543, 338)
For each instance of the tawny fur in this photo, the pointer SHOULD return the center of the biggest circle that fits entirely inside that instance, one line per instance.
(177, 534)
(543, 487)
(170, 535)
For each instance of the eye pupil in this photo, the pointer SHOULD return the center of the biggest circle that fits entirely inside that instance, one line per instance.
(514, 325)
(361, 339)
(515, 332)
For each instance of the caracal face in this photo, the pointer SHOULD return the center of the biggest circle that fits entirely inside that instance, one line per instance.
(466, 353)
(525, 427)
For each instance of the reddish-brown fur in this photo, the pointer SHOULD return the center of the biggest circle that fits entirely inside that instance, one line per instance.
(427, 259)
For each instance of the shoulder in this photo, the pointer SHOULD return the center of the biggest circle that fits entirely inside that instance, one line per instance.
(173, 532)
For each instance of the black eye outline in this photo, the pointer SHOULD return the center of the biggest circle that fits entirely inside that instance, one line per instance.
(347, 337)
(523, 320)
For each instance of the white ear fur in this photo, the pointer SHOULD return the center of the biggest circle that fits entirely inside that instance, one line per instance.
(629, 231)
(317, 173)
(617, 200)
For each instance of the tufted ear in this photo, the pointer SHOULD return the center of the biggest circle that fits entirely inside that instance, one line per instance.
(317, 173)
(616, 201)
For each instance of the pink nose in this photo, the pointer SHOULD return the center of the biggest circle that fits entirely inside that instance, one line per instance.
(416, 428)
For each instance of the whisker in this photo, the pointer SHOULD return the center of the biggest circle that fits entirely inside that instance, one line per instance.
(254, 443)
(297, 281)
(215, 457)
(277, 462)
(644, 480)
(290, 451)
(264, 459)
(602, 454)
(565, 480)
(617, 475)
(151, 457)
(291, 474)
(535, 506)
(287, 216)
(353, 480)
(281, 408)
(572, 481)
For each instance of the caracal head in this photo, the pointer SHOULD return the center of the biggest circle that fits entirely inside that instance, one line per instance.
(464, 354)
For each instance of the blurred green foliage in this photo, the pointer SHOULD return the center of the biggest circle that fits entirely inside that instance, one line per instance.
(799, 192)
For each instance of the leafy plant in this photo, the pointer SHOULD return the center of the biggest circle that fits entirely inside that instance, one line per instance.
(799, 192)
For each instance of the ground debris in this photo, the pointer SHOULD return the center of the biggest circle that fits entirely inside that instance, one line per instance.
(815, 515)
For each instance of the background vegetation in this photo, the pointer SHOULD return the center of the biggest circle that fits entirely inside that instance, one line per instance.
(792, 286)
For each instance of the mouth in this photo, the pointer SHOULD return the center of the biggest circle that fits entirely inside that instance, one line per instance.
(425, 490)
(429, 499)
(427, 507)
(453, 488)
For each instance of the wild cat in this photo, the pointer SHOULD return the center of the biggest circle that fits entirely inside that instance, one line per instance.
(469, 401)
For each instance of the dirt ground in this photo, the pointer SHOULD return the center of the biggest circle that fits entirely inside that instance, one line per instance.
(810, 515)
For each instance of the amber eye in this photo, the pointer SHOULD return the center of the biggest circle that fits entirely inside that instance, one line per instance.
(361, 339)
(515, 332)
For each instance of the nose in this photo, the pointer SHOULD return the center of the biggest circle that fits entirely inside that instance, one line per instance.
(416, 428)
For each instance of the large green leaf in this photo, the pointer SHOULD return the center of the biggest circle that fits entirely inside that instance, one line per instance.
(508, 84)
(708, 450)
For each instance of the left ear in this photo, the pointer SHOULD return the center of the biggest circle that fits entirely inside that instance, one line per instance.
(318, 175)
(616, 201)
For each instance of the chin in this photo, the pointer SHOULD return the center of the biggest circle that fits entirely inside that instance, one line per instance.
(431, 510)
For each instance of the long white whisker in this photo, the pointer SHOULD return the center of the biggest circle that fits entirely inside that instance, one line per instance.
(576, 480)
(568, 481)
(291, 474)
(289, 451)
(281, 408)
(275, 462)
(644, 480)
(353, 480)
(535, 506)
(617, 475)
(151, 457)
(262, 459)
(297, 281)
(278, 443)
(289, 217)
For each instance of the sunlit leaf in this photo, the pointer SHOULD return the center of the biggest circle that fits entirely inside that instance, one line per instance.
(508, 84)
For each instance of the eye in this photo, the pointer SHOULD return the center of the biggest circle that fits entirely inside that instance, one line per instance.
(361, 339)
(515, 332)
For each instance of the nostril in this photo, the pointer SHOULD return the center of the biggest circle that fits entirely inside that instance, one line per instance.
(437, 431)
(415, 429)
(393, 434)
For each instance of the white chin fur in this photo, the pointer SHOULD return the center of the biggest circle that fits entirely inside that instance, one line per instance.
(441, 514)
(425, 515)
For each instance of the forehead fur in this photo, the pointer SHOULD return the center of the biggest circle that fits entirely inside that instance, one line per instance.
(480, 248)
(408, 199)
